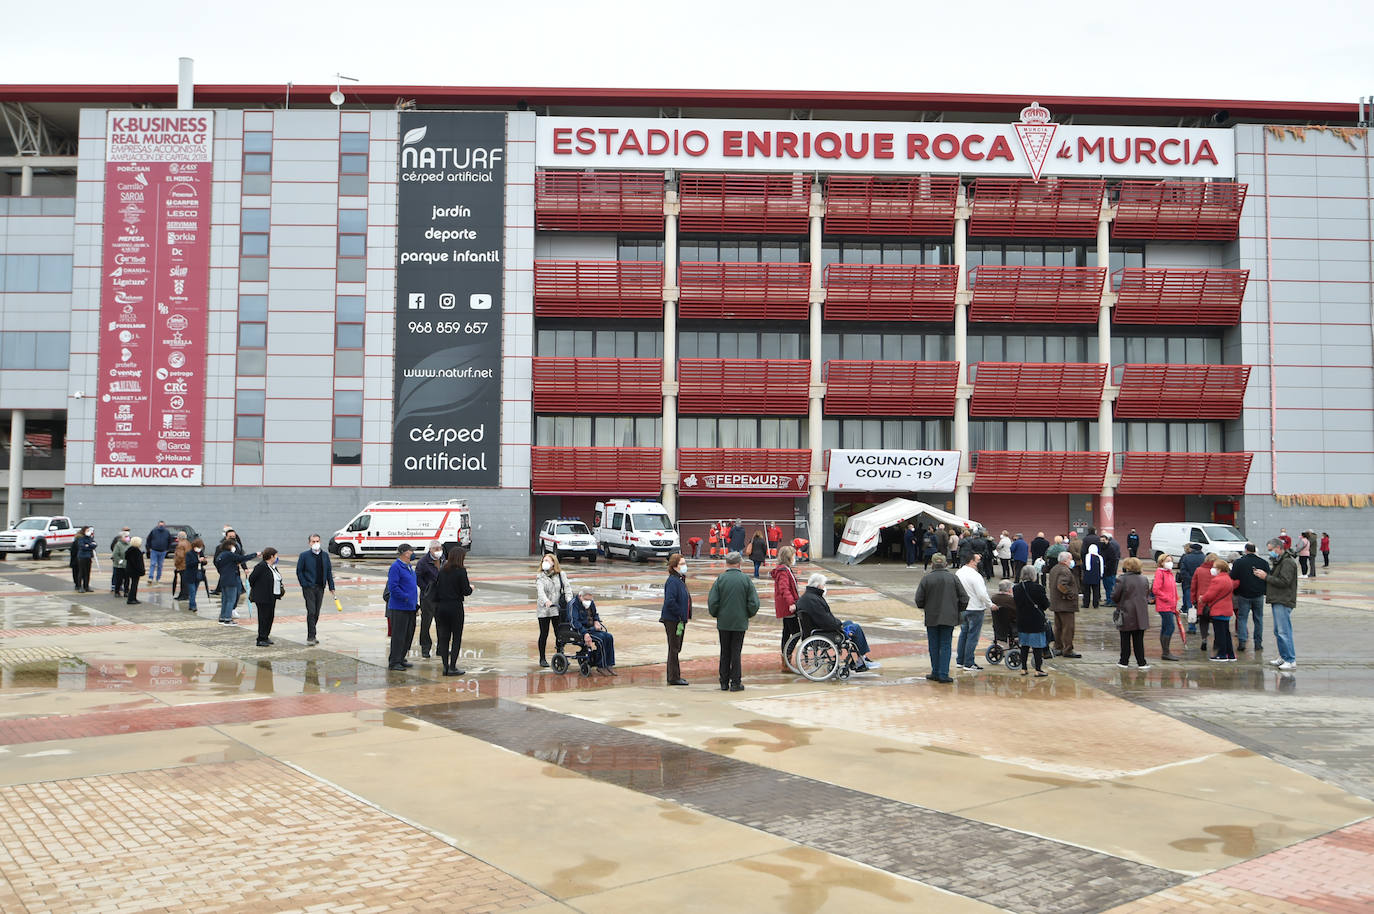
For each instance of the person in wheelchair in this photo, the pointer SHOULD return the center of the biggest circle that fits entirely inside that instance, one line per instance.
(586, 623)
(816, 618)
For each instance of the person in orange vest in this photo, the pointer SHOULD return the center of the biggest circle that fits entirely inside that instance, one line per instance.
(803, 549)
(774, 539)
(695, 543)
(713, 538)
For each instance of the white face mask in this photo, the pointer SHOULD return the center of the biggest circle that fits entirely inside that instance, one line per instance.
(314, 547)
(682, 568)
(1070, 564)
(1168, 566)
(548, 566)
(1214, 571)
(437, 553)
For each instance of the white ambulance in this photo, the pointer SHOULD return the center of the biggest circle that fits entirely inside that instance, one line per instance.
(383, 525)
(638, 529)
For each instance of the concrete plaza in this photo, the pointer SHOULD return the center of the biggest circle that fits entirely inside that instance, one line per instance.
(152, 760)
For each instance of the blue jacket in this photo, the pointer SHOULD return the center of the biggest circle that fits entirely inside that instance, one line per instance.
(582, 616)
(677, 602)
(1020, 550)
(226, 560)
(159, 539)
(305, 570)
(1187, 565)
(400, 580)
(85, 547)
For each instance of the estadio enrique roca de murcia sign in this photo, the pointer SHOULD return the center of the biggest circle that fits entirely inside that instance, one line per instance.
(1033, 146)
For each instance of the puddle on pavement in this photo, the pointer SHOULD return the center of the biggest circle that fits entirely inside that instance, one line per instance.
(1230, 840)
(811, 879)
(577, 880)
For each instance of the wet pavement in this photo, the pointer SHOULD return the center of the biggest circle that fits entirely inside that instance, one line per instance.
(151, 759)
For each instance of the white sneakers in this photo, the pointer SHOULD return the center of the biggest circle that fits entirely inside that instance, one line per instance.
(873, 664)
(1285, 667)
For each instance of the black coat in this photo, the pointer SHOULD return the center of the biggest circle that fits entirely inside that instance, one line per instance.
(262, 585)
(1111, 558)
(758, 550)
(814, 612)
(450, 587)
(133, 563)
(1031, 603)
(1038, 547)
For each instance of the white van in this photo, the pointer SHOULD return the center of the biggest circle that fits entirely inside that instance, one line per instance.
(383, 525)
(1223, 539)
(639, 529)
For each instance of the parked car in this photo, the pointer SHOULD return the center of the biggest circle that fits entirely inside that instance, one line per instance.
(567, 537)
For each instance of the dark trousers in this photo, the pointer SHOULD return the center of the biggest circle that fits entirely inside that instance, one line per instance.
(1221, 634)
(314, 596)
(1039, 656)
(1326, 558)
(731, 647)
(132, 585)
(791, 625)
(941, 641)
(426, 618)
(545, 623)
(1016, 566)
(1006, 568)
(605, 648)
(176, 581)
(267, 611)
(83, 574)
(1302, 564)
(1092, 590)
(402, 633)
(448, 624)
(1133, 640)
(117, 581)
(674, 648)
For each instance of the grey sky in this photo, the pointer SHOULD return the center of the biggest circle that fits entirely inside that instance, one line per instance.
(1318, 50)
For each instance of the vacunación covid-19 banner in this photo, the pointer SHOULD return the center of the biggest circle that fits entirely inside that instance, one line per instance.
(450, 257)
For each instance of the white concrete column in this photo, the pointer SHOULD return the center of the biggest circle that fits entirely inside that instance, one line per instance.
(818, 530)
(961, 490)
(1106, 504)
(15, 509)
(670, 294)
(26, 180)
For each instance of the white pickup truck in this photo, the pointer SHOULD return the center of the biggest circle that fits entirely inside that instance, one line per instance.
(39, 536)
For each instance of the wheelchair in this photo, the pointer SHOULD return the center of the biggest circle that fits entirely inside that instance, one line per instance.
(818, 656)
(563, 636)
(789, 652)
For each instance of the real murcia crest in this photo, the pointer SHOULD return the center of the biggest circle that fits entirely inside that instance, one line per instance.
(1036, 133)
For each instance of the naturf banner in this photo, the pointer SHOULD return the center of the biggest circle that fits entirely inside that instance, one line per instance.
(893, 471)
(450, 257)
(150, 389)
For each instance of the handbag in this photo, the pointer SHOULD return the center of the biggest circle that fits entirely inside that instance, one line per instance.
(1118, 618)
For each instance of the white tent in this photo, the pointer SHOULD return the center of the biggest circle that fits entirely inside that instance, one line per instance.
(861, 534)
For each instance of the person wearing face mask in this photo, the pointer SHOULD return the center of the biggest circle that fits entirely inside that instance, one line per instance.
(1063, 591)
(265, 588)
(426, 572)
(195, 571)
(230, 562)
(1249, 598)
(553, 590)
(402, 602)
(83, 553)
(1281, 593)
(314, 573)
(1216, 596)
(1165, 591)
(677, 612)
(117, 550)
(134, 568)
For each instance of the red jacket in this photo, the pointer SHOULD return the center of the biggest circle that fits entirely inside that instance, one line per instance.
(1202, 579)
(1217, 596)
(784, 590)
(1165, 590)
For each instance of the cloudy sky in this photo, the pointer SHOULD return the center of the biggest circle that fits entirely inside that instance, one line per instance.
(1316, 50)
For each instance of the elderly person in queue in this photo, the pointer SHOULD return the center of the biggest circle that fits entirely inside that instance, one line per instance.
(1132, 598)
(1062, 588)
(732, 602)
(816, 617)
(1217, 597)
(586, 621)
(942, 598)
(785, 594)
(1197, 586)
(676, 613)
(971, 618)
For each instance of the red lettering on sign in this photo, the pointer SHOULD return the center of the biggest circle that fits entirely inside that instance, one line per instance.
(759, 144)
(630, 143)
(882, 146)
(1163, 157)
(967, 149)
(1205, 153)
(661, 146)
(1086, 149)
(732, 143)
(851, 150)
(562, 141)
(828, 145)
(916, 146)
(586, 141)
(787, 143)
(946, 146)
(1001, 149)
(702, 143)
(1145, 149)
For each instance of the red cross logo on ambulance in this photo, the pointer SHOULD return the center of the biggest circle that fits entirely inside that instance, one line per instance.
(1036, 133)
